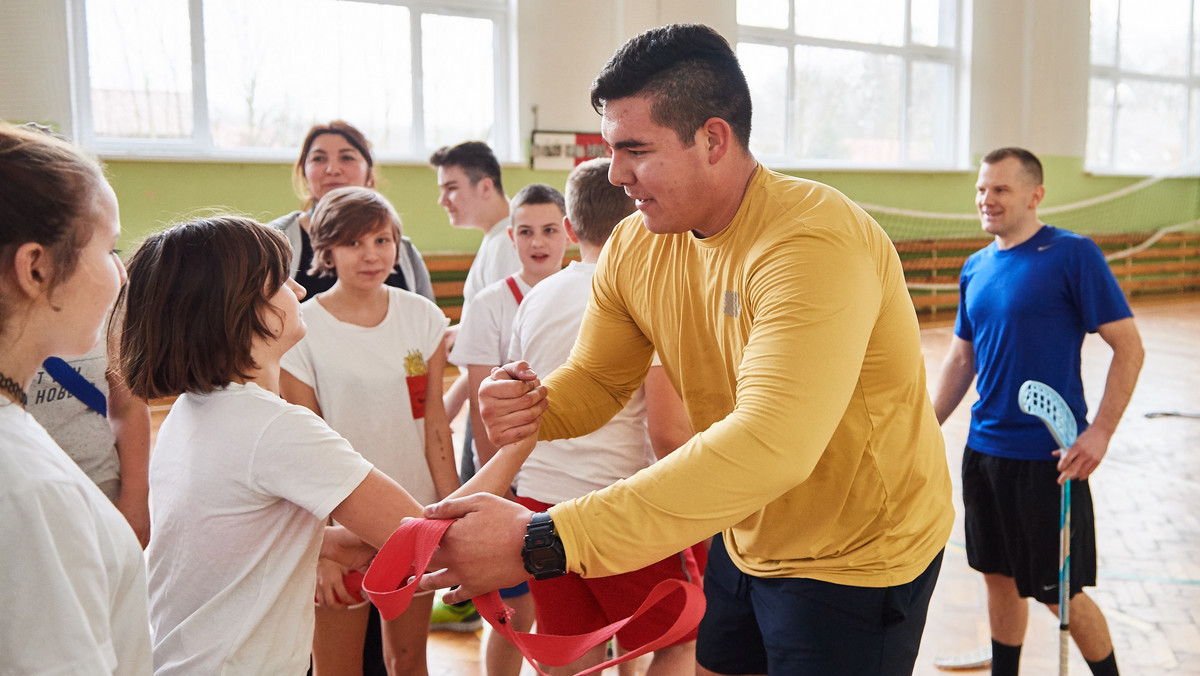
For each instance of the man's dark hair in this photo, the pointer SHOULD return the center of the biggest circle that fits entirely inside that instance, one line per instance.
(594, 205)
(475, 158)
(689, 72)
(1029, 162)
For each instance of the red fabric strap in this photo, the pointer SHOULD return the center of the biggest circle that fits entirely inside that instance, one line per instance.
(511, 280)
(407, 554)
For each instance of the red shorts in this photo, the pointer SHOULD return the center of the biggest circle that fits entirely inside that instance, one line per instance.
(571, 604)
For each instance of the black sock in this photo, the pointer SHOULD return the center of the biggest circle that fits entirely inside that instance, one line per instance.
(1106, 666)
(1006, 659)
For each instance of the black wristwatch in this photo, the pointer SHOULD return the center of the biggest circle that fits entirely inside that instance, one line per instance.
(543, 551)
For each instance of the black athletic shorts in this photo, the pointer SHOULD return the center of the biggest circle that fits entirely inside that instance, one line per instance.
(1012, 523)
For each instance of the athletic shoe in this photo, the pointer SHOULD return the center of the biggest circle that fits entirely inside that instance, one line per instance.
(460, 617)
(976, 659)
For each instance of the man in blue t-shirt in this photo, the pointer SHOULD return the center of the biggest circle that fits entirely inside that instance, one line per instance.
(1026, 303)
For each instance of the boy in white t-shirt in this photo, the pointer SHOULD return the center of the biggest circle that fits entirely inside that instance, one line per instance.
(544, 331)
(540, 237)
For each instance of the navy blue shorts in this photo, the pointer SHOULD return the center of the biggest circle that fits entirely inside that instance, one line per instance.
(1011, 517)
(513, 592)
(787, 626)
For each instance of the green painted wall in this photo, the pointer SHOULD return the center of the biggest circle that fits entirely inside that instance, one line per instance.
(153, 194)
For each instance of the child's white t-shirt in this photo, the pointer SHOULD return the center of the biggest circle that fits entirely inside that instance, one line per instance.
(544, 331)
(496, 259)
(241, 484)
(371, 382)
(486, 328)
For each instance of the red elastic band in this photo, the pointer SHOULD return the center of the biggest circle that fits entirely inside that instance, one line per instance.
(408, 551)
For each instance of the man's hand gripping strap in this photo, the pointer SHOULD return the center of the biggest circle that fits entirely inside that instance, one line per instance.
(408, 551)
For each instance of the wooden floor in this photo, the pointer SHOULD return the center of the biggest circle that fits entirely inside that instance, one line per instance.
(1147, 498)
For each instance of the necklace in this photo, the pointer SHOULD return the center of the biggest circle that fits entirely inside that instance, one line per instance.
(14, 390)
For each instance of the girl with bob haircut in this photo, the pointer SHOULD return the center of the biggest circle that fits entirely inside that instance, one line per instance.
(75, 581)
(243, 481)
(371, 365)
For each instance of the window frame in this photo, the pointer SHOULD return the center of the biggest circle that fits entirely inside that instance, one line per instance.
(956, 57)
(199, 147)
(1190, 159)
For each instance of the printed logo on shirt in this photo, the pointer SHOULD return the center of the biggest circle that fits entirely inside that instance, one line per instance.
(417, 380)
(733, 304)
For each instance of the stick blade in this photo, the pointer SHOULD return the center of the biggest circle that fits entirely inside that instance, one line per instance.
(1040, 400)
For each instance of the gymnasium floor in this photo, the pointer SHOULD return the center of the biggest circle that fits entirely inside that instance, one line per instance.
(1146, 494)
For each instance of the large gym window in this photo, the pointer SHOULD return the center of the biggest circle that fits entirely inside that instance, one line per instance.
(857, 83)
(230, 78)
(1144, 99)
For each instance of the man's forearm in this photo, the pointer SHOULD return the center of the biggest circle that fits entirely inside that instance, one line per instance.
(1118, 387)
(953, 382)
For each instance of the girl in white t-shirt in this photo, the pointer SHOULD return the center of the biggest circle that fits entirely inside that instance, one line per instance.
(243, 482)
(371, 365)
(72, 570)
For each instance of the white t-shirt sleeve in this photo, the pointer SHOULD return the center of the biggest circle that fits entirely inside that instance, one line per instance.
(516, 344)
(301, 459)
(435, 325)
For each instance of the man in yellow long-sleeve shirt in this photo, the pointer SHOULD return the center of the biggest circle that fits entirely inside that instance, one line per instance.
(779, 311)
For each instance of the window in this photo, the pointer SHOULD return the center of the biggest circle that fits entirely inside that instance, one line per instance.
(1143, 102)
(856, 82)
(236, 78)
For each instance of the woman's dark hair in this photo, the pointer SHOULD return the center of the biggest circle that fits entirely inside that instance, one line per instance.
(48, 188)
(195, 301)
(347, 131)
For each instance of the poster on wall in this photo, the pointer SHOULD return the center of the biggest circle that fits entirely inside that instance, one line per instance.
(564, 149)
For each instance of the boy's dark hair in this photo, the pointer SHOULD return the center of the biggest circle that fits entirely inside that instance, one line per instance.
(538, 193)
(689, 72)
(1029, 162)
(342, 216)
(594, 205)
(194, 303)
(347, 131)
(475, 158)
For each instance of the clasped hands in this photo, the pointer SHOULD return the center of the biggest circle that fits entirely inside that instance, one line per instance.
(481, 552)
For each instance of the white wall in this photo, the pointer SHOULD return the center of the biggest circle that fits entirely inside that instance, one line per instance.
(1029, 76)
(563, 44)
(34, 77)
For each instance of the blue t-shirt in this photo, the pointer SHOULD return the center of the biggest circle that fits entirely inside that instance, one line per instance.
(1026, 311)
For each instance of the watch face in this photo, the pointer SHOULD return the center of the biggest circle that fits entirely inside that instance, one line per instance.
(543, 559)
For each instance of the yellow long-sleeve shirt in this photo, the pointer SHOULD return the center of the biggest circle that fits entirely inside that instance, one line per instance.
(792, 339)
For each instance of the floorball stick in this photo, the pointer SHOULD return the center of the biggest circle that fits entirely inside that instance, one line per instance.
(1040, 400)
